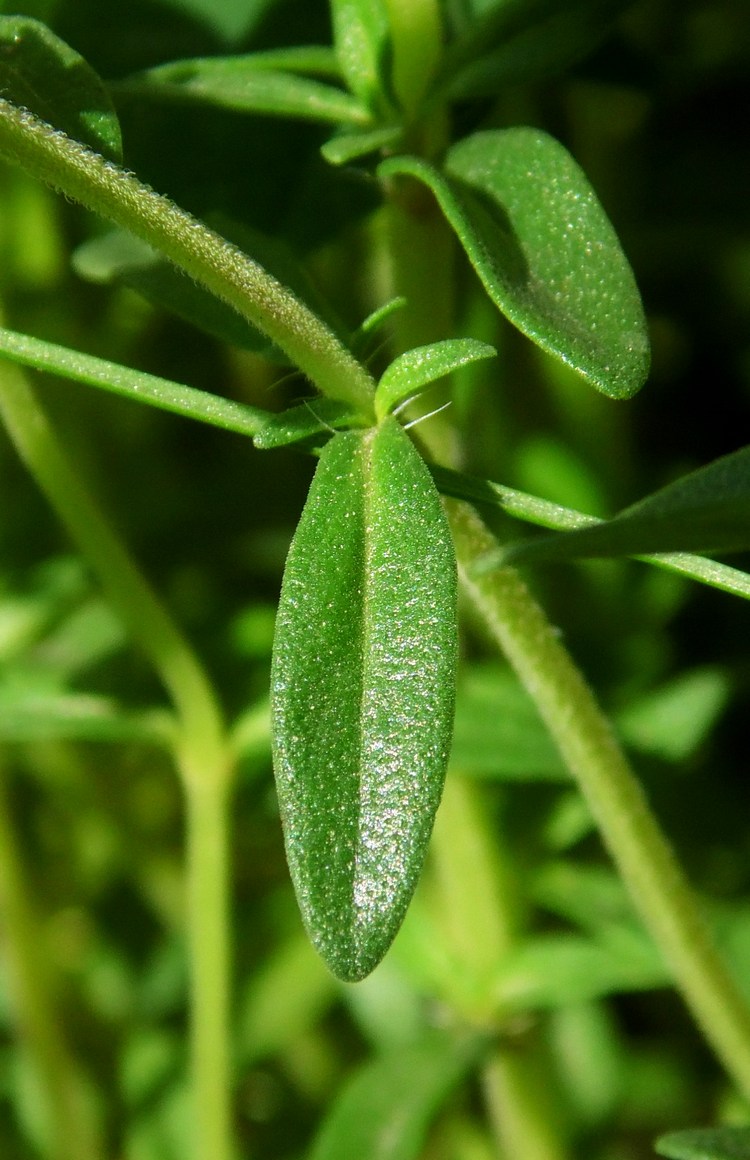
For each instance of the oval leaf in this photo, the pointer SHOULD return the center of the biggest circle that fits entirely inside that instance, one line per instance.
(383, 1113)
(542, 245)
(410, 372)
(43, 74)
(363, 691)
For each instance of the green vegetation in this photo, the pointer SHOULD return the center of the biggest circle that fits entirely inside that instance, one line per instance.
(367, 248)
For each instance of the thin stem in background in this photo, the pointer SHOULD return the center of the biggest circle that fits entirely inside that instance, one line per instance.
(588, 745)
(479, 911)
(202, 751)
(70, 1126)
(222, 268)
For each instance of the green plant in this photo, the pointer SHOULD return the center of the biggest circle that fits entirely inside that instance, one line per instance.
(433, 236)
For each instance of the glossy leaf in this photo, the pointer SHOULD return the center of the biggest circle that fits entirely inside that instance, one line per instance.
(728, 1143)
(544, 249)
(361, 37)
(707, 510)
(384, 1112)
(410, 372)
(248, 84)
(363, 683)
(43, 74)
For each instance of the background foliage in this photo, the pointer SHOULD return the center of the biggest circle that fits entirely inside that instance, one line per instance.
(651, 115)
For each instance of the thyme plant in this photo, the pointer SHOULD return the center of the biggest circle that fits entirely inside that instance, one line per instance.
(441, 221)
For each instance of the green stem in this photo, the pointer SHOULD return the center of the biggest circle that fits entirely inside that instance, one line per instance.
(70, 1129)
(587, 743)
(146, 618)
(519, 1106)
(223, 269)
(479, 912)
(202, 751)
(208, 909)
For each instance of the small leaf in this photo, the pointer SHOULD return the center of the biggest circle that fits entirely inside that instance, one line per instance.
(706, 1144)
(707, 510)
(410, 372)
(346, 147)
(674, 720)
(558, 970)
(248, 84)
(543, 247)
(362, 41)
(384, 1112)
(363, 681)
(498, 731)
(43, 74)
(303, 423)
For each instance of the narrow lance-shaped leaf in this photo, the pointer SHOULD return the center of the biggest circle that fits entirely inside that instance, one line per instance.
(250, 84)
(544, 249)
(707, 510)
(363, 691)
(44, 74)
(417, 368)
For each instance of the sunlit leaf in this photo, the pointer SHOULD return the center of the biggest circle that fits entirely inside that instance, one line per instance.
(384, 1112)
(544, 249)
(410, 372)
(43, 74)
(363, 685)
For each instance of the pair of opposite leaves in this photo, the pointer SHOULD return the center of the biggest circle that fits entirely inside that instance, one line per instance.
(363, 686)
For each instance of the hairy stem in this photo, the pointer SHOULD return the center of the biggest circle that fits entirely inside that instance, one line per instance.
(587, 743)
(223, 269)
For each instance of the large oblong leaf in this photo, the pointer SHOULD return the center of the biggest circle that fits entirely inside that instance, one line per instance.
(363, 691)
(538, 238)
(45, 75)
